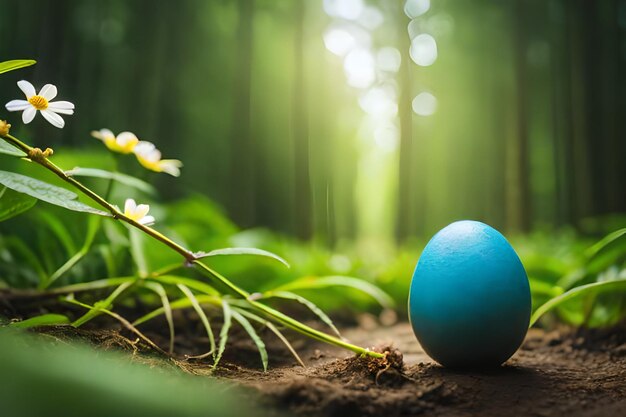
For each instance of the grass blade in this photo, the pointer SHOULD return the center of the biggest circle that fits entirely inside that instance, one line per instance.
(308, 283)
(14, 64)
(101, 305)
(194, 284)
(242, 251)
(115, 176)
(196, 306)
(178, 305)
(591, 252)
(309, 304)
(224, 332)
(588, 289)
(274, 330)
(167, 309)
(59, 230)
(126, 323)
(136, 251)
(42, 320)
(253, 335)
(92, 231)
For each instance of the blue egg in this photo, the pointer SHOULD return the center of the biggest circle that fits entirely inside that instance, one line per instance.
(469, 302)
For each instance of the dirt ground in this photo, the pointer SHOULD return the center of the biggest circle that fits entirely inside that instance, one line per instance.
(553, 374)
(557, 373)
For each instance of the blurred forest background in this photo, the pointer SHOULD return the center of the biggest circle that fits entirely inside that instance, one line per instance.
(349, 119)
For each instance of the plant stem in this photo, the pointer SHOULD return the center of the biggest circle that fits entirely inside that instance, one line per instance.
(39, 157)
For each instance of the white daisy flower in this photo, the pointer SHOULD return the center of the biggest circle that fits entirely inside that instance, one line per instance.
(150, 157)
(49, 110)
(125, 142)
(137, 212)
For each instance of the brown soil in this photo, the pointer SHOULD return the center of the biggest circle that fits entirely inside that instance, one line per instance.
(553, 374)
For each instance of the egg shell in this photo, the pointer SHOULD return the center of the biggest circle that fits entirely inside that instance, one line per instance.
(469, 302)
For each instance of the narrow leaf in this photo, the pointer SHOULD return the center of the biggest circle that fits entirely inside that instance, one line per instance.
(194, 284)
(43, 320)
(7, 66)
(591, 252)
(115, 176)
(179, 304)
(13, 203)
(308, 283)
(7, 149)
(274, 330)
(46, 192)
(92, 229)
(242, 251)
(57, 227)
(588, 289)
(224, 332)
(137, 251)
(196, 306)
(101, 305)
(167, 309)
(253, 335)
(309, 304)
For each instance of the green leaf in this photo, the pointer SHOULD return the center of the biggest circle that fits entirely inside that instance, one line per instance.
(242, 251)
(253, 335)
(13, 203)
(178, 305)
(46, 192)
(274, 330)
(194, 284)
(7, 66)
(604, 242)
(309, 304)
(101, 305)
(92, 230)
(308, 283)
(59, 230)
(588, 289)
(43, 320)
(137, 240)
(7, 149)
(224, 332)
(167, 309)
(115, 176)
(196, 306)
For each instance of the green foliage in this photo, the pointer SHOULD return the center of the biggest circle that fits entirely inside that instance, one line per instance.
(72, 380)
(42, 320)
(7, 149)
(46, 192)
(12, 65)
(128, 180)
(13, 203)
(242, 251)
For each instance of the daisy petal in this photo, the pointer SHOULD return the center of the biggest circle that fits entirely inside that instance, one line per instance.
(144, 147)
(130, 206)
(54, 119)
(17, 105)
(48, 91)
(63, 107)
(29, 115)
(125, 138)
(147, 221)
(171, 166)
(142, 210)
(27, 88)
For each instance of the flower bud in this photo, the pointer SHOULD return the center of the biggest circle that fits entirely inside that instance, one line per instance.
(4, 128)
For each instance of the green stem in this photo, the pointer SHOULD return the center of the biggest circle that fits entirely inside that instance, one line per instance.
(37, 156)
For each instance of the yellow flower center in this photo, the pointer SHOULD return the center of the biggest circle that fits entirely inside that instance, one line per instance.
(38, 102)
